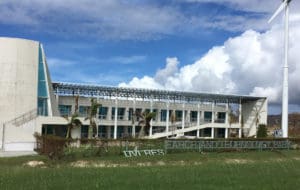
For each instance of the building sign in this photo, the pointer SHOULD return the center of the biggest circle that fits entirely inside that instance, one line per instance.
(150, 152)
(210, 145)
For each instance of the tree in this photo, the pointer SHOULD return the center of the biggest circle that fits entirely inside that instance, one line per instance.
(73, 122)
(92, 113)
(173, 120)
(145, 119)
(262, 131)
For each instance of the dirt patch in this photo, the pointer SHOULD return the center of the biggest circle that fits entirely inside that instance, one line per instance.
(97, 164)
(238, 161)
(296, 158)
(34, 163)
(80, 164)
(160, 163)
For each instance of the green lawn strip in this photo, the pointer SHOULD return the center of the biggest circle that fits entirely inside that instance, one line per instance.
(258, 175)
(230, 170)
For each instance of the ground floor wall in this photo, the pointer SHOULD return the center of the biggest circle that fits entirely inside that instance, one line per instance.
(21, 138)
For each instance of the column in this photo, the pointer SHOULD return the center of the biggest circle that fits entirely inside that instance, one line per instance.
(240, 113)
(212, 132)
(126, 113)
(240, 120)
(133, 115)
(183, 117)
(109, 110)
(116, 119)
(226, 133)
(151, 122)
(213, 112)
(167, 119)
(227, 113)
(198, 115)
(198, 133)
(188, 116)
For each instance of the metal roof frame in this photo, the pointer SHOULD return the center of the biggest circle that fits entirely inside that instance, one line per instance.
(71, 89)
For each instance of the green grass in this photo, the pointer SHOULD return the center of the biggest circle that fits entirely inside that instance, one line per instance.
(232, 170)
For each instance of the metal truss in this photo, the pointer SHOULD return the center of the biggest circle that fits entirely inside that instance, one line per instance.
(71, 89)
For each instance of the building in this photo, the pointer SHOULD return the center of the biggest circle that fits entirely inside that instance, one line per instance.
(31, 103)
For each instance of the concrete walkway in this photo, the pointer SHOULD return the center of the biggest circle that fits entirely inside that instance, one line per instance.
(16, 153)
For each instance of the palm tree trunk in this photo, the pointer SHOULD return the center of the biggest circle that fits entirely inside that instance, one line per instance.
(142, 131)
(68, 132)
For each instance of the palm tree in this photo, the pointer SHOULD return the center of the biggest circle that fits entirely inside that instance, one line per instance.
(73, 122)
(145, 119)
(92, 113)
(173, 121)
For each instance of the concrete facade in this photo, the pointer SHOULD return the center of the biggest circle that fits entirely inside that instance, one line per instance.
(31, 103)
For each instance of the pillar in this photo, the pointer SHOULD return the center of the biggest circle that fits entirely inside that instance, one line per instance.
(227, 113)
(198, 115)
(213, 112)
(167, 119)
(212, 132)
(240, 120)
(133, 115)
(183, 117)
(116, 119)
(126, 113)
(240, 112)
(109, 110)
(226, 133)
(151, 122)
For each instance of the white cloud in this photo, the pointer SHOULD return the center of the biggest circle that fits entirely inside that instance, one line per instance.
(105, 19)
(266, 6)
(247, 64)
(126, 59)
(57, 63)
(133, 20)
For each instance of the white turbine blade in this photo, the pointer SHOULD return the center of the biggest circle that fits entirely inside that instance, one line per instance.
(280, 8)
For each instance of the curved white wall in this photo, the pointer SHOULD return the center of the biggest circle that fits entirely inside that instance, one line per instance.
(18, 89)
(18, 78)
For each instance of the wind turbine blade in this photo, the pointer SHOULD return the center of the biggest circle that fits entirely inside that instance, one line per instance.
(280, 8)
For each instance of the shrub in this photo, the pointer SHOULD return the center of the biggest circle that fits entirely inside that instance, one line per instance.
(262, 131)
(51, 146)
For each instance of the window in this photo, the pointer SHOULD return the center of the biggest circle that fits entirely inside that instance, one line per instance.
(163, 115)
(221, 116)
(193, 116)
(65, 110)
(178, 115)
(207, 116)
(42, 87)
(83, 111)
(103, 112)
(121, 112)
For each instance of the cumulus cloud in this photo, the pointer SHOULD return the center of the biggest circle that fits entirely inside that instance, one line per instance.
(250, 63)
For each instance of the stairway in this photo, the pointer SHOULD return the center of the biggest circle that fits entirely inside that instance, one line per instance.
(178, 132)
(251, 121)
(24, 118)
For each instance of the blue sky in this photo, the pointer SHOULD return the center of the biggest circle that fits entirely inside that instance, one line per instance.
(217, 46)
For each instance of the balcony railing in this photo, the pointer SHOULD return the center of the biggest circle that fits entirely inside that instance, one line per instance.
(220, 121)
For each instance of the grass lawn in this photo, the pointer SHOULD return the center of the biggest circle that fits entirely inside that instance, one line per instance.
(231, 170)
